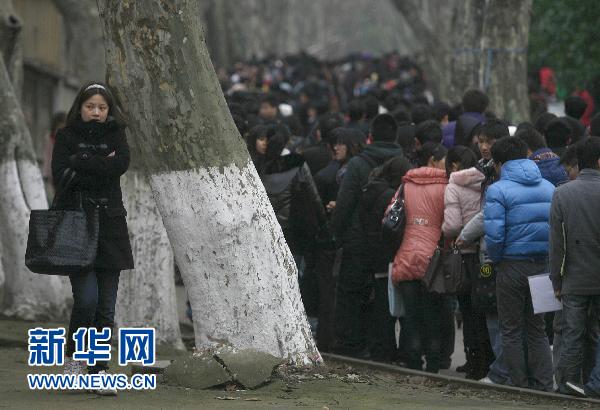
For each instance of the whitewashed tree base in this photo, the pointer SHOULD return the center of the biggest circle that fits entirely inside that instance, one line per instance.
(25, 295)
(239, 272)
(146, 295)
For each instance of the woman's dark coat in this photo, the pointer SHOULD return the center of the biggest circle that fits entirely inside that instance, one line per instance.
(84, 148)
(295, 200)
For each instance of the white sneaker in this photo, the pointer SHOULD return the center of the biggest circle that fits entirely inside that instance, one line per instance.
(577, 389)
(486, 380)
(74, 366)
(105, 392)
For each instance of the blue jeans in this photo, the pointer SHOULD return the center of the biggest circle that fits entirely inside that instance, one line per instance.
(577, 309)
(94, 298)
(524, 341)
(592, 387)
(498, 372)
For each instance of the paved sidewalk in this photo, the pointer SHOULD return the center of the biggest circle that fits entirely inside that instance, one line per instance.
(322, 387)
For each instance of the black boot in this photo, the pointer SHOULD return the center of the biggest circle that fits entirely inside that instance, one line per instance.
(480, 366)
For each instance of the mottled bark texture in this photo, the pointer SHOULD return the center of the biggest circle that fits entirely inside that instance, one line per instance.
(237, 268)
(10, 45)
(146, 295)
(84, 53)
(485, 47)
(23, 294)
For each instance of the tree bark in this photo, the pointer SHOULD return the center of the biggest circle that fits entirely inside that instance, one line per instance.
(146, 295)
(238, 271)
(83, 34)
(11, 46)
(506, 32)
(485, 48)
(23, 294)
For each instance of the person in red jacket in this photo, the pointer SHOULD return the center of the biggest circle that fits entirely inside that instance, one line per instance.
(424, 198)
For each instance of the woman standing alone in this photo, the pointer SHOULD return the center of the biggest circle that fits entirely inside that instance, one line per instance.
(92, 150)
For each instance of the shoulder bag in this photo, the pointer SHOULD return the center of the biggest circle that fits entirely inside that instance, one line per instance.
(62, 242)
(394, 223)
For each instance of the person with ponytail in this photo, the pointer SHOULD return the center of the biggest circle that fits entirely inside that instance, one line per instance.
(425, 312)
(462, 201)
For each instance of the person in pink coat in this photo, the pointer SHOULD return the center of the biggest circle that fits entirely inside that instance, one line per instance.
(424, 198)
(462, 201)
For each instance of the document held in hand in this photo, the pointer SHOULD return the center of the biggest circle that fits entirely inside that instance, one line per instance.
(542, 294)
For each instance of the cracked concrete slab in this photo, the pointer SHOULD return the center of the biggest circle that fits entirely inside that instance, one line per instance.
(249, 367)
(198, 372)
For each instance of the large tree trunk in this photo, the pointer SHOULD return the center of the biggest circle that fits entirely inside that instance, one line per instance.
(239, 272)
(23, 294)
(506, 33)
(432, 25)
(485, 48)
(10, 45)
(147, 294)
(83, 34)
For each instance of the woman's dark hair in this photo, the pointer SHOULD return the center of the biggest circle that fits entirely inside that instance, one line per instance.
(462, 155)
(542, 121)
(428, 150)
(85, 93)
(255, 133)
(351, 138)
(393, 170)
(278, 136)
(429, 131)
(475, 101)
(569, 157)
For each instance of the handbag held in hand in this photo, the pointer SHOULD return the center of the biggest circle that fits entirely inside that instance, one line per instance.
(62, 242)
(446, 273)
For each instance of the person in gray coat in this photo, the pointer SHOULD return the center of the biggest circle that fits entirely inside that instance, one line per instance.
(575, 258)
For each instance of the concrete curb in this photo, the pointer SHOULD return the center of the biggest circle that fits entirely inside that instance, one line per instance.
(473, 384)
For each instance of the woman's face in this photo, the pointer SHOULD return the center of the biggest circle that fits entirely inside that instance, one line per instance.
(261, 145)
(340, 152)
(94, 108)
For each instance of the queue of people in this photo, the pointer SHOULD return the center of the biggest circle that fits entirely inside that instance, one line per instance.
(516, 199)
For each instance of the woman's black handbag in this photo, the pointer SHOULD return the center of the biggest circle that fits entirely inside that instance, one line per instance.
(62, 242)
(446, 273)
(394, 224)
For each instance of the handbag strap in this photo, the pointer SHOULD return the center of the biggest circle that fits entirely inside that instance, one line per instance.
(399, 198)
(63, 185)
(441, 241)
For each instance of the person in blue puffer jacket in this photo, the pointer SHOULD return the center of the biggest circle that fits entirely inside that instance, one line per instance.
(516, 223)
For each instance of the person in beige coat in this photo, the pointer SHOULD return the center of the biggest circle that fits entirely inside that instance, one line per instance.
(462, 201)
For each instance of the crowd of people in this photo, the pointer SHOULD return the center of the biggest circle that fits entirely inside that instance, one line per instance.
(336, 143)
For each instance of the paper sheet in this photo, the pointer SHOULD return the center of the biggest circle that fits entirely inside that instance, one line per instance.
(542, 294)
